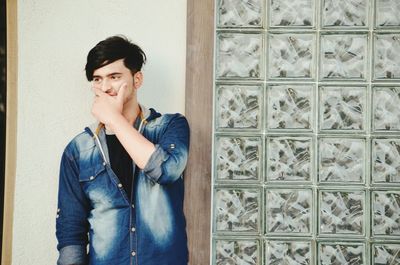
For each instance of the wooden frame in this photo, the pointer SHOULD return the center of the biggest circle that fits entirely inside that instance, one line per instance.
(11, 131)
(198, 110)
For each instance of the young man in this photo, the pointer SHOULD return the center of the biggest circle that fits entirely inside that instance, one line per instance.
(121, 188)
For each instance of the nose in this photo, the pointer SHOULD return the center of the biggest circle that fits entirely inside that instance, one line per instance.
(105, 86)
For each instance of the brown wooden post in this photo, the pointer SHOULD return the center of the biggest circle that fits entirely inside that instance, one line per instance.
(199, 84)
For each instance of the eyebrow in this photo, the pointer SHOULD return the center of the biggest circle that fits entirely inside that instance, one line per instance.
(115, 73)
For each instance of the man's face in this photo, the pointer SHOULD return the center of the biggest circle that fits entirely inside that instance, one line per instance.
(111, 77)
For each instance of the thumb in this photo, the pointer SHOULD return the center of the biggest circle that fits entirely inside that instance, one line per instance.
(121, 92)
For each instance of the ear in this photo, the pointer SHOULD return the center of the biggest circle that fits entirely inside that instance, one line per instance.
(137, 79)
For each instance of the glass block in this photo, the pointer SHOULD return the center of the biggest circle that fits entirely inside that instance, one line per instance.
(344, 56)
(342, 108)
(288, 211)
(288, 253)
(290, 107)
(386, 211)
(348, 13)
(387, 13)
(237, 210)
(238, 158)
(386, 254)
(291, 55)
(387, 56)
(287, 13)
(239, 13)
(274, 202)
(239, 55)
(237, 252)
(341, 212)
(341, 160)
(238, 107)
(289, 159)
(386, 161)
(331, 253)
(386, 111)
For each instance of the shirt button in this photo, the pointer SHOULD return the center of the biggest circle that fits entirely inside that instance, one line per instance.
(58, 210)
(91, 178)
(120, 185)
(133, 229)
(133, 206)
(133, 253)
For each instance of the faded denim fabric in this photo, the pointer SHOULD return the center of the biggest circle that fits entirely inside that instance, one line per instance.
(94, 210)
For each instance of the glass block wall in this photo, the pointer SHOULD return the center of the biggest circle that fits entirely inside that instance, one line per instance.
(306, 166)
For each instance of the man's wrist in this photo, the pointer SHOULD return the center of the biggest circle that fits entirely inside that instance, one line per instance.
(116, 122)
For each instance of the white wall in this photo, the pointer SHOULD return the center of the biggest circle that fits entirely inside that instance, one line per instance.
(54, 98)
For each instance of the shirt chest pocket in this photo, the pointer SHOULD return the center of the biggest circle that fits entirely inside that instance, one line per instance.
(94, 182)
(90, 173)
(100, 189)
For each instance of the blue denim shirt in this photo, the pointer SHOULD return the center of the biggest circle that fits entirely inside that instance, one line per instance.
(95, 214)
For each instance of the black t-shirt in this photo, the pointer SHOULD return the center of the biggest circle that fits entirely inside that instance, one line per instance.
(121, 162)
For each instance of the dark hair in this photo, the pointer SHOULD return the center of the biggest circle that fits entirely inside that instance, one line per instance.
(112, 49)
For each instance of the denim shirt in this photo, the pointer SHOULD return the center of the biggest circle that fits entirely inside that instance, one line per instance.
(97, 224)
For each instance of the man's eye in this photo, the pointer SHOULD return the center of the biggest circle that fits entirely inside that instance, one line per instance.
(96, 80)
(114, 77)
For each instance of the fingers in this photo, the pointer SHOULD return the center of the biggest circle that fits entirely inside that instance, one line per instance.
(121, 92)
(97, 91)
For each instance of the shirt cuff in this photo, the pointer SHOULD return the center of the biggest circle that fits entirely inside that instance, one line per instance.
(75, 254)
(153, 168)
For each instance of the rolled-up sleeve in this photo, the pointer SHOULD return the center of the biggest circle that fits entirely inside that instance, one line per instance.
(71, 222)
(72, 255)
(169, 159)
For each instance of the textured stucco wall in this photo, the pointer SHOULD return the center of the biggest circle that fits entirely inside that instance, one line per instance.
(54, 98)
